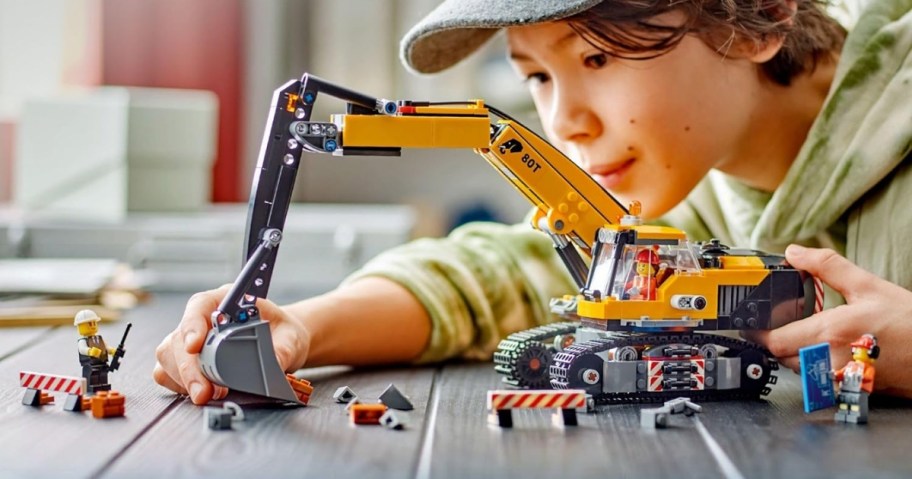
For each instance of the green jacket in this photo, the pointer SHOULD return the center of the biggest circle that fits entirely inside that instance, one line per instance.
(847, 190)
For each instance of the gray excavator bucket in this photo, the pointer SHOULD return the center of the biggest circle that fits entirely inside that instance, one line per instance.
(242, 358)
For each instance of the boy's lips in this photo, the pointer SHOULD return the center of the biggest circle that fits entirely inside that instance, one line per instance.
(610, 176)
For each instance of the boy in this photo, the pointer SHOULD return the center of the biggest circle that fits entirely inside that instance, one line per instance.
(764, 123)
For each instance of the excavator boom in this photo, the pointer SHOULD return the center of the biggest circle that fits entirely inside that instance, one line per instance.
(571, 206)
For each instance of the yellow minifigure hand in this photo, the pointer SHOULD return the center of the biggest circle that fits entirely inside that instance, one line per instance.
(94, 352)
(111, 351)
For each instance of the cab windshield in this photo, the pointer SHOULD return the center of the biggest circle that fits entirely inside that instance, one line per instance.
(615, 268)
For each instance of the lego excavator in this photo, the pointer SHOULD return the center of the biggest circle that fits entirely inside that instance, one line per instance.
(633, 333)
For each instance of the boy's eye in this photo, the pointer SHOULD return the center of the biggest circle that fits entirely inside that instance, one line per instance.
(536, 78)
(596, 61)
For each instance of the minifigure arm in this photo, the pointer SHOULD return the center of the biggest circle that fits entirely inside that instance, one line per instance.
(867, 382)
(83, 347)
(838, 375)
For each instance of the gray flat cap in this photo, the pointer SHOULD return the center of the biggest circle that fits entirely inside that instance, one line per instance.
(457, 28)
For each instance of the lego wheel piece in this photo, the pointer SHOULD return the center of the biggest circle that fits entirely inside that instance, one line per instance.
(755, 372)
(533, 362)
(581, 372)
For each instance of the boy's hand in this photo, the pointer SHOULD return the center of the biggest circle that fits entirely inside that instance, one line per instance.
(873, 305)
(178, 367)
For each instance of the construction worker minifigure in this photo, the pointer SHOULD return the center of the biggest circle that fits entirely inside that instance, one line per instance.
(856, 381)
(643, 285)
(93, 352)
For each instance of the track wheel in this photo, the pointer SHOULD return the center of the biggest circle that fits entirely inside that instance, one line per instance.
(533, 360)
(585, 373)
(755, 372)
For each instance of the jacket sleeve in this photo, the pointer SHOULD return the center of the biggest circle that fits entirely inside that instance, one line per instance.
(480, 283)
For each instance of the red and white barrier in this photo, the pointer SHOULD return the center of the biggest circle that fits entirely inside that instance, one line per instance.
(544, 399)
(52, 382)
(502, 402)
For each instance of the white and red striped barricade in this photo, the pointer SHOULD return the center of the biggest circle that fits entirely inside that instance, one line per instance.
(39, 384)
(502, 402)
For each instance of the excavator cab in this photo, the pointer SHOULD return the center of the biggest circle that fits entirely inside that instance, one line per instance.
(631, 264)
(641, 265)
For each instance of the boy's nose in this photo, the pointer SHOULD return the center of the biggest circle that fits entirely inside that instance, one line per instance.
(572, 118)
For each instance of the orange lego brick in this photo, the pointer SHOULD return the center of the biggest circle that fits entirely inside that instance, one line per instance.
(108, 404)
(105, 412)
(367, 413)
(301, 388)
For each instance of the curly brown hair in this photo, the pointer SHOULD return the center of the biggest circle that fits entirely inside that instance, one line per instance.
(627, 29)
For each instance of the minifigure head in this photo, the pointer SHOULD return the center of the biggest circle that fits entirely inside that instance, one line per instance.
(647, 262)
(632, 90)
(86, 322)
(865, 348)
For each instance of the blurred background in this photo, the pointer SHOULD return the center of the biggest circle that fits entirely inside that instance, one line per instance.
(130, 130)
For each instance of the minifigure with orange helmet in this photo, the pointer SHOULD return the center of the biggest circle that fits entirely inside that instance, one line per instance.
(856, 381)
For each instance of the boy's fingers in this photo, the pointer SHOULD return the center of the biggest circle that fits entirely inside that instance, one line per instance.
(833, 269)
(791, 362)
(165, 367)
(292, 344)
(195, 323)
(220, 392)
(785, 341)
(162, 378)
(198, 387)
(174, 365)
(191, 376)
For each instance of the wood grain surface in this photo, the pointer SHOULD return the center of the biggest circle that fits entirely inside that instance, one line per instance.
(447, 435)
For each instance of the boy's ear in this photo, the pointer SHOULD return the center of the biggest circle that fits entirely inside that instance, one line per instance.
(765, 49)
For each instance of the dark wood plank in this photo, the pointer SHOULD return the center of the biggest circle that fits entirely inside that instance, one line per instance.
(777, 439)
(313, 441)
(58, 443)
(609, 443)
(13, 340)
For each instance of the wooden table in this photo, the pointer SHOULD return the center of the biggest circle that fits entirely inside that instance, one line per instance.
(447, 435)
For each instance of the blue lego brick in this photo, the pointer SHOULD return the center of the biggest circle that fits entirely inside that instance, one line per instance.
(815, 377)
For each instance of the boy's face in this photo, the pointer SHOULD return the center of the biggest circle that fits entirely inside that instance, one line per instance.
(646, 130)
